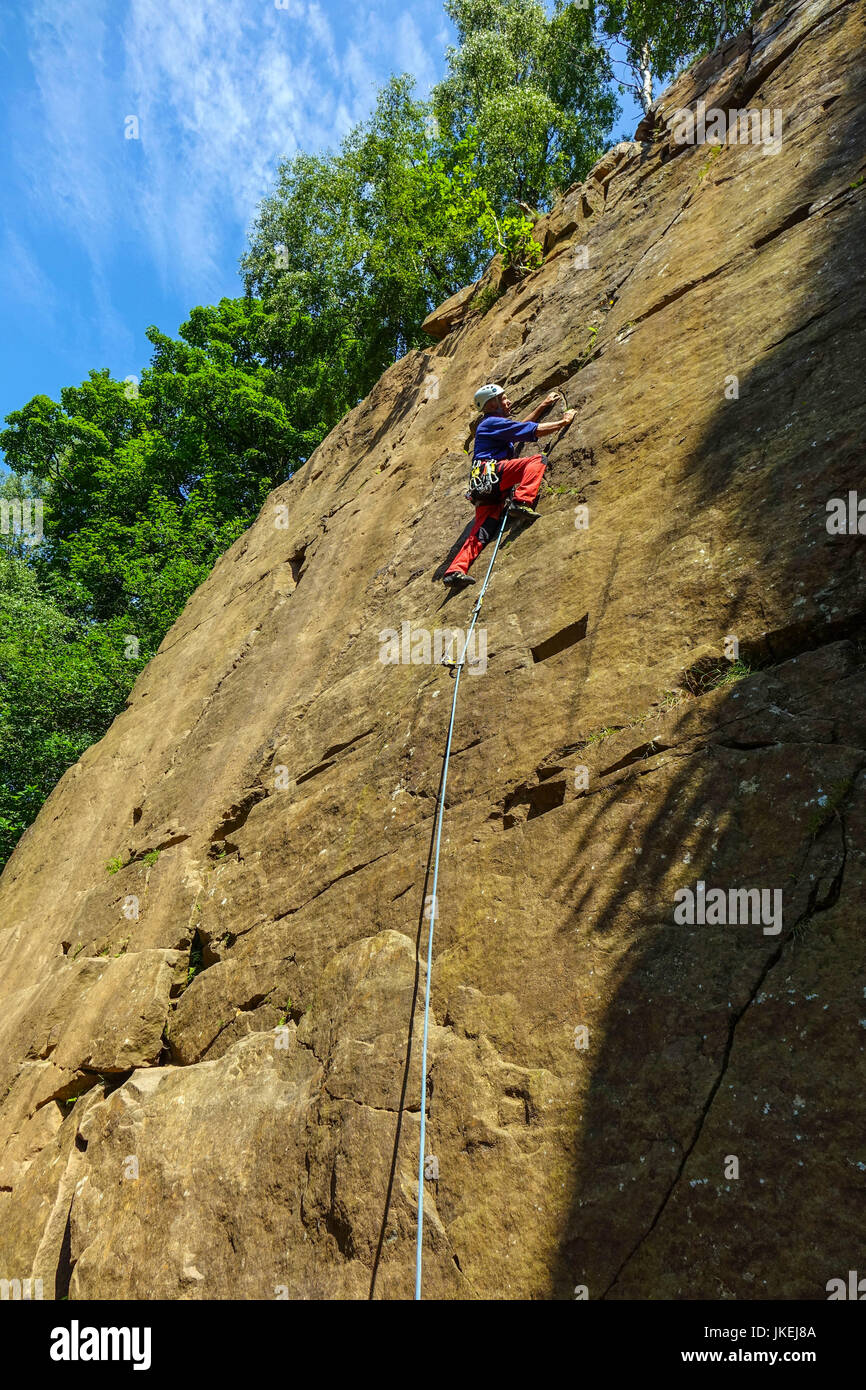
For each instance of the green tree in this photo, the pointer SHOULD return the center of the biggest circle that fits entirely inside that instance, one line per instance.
(535, 88)
(143, 486)
(61, 680)
(352, 249)
(659, 38)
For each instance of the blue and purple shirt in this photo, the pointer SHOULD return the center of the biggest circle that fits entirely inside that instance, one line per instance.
(497, 436)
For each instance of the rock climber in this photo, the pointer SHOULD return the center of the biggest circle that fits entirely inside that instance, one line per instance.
(498, 478)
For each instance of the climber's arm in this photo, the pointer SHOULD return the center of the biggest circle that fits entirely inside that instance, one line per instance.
(540, 409)
(553, 425)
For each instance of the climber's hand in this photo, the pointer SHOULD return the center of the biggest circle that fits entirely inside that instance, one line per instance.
(568, 417)
(551, 397)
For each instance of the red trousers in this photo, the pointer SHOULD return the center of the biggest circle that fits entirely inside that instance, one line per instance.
(524, 475)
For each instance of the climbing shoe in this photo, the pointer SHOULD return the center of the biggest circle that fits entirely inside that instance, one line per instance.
(455, 579)
(523, 510)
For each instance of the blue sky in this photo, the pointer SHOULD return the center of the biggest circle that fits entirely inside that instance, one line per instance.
(101, 235)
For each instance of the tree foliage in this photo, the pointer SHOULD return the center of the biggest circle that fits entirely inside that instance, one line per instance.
(62, 681)
(659, 38)
(143, 487)
(351, 250)
(535, 89)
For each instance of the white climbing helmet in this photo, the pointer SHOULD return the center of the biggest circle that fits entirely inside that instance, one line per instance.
(487, 393)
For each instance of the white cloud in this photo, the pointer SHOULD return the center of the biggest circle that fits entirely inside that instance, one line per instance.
(68, 57)
(414, 55)
(221, 91)
(22, 278)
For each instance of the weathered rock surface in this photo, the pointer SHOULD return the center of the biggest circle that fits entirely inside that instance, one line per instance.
(441, 320)
(256, 1130)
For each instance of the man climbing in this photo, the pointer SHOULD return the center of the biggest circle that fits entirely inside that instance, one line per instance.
(495, 473)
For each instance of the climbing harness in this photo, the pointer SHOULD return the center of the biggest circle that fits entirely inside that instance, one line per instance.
(457, 667)
(483, 482)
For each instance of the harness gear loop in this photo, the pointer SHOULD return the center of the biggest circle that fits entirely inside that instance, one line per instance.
(483, 482)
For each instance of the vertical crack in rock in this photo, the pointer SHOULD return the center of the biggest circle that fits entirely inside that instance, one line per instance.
(813, 907)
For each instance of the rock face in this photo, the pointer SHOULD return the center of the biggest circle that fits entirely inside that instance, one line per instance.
(618, 1099)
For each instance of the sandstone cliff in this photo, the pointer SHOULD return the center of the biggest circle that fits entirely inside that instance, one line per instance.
(270, 790)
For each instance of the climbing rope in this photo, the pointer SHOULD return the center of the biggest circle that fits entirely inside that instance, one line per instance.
(458, 666)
